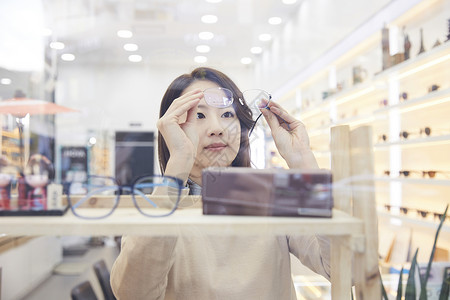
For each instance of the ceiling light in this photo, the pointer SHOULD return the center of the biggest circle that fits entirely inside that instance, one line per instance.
(68, 57)
(205, 35)
(135, 58)
(200, 59)
(57, 45)
(289, 1)
(264, 37)
(126, 34)
(214, 1)
(5, 81)
(256, 50)
(130, 47)
(275, 20)
(92, 141)
(209, 19)
(246, 60)
(202, 48)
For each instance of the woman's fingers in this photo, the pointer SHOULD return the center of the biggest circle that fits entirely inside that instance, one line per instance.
(196, 94)
(271, 118)
(278, 110)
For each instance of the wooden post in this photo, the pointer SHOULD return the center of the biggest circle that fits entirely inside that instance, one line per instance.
(341, 253)
(368, 284)
(341, 271)
(340, 167)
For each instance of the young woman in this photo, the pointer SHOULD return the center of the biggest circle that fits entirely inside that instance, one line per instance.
(194, 134)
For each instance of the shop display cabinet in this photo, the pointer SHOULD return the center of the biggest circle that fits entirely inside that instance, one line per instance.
(352, 230)
(406, 102)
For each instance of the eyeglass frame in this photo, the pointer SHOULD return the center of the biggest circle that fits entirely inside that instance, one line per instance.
(130, 188)
(242, 101)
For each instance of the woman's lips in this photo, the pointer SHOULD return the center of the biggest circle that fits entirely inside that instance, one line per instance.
(216, 147)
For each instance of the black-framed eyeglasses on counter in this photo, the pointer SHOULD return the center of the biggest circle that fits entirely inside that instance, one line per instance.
(81, 195)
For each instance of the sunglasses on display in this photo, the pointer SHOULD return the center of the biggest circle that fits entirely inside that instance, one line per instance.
(430, 174)
(420, 212)
(405, 134)
(255, 99)
(403, 96)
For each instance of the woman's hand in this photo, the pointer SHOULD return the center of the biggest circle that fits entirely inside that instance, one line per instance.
(290, 136)
(178, 127)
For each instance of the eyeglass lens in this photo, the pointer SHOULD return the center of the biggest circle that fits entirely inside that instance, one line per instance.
(100, 196)
(155, 206)
(256, 99)
(218, 97)
(95, 198)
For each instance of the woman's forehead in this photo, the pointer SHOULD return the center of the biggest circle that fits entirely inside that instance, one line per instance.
(200, 84)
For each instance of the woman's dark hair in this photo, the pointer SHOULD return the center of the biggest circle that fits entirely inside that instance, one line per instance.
(243, 112)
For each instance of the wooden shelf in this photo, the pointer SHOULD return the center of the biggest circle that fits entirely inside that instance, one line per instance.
(415, 221)
(416, 142)
(426, 181)
(183, 221)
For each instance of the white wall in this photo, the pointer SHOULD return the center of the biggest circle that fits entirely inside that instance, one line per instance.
(111, 97)
(26, 266)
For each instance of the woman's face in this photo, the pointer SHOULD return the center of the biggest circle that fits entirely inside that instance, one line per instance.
(219, 132)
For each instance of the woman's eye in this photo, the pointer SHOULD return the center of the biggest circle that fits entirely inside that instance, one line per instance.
(228, 114)
(200, 116)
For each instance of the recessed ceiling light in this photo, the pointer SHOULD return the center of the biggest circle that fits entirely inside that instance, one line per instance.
(68, 57)
(264, 37)
(57, 45)
(205, 35)
(256, 50)
(5, 81)
(214, 1)
(126, 34)
(130, 47)
(209, 19)
(135, 58)
(275, 20)
(289, 1)
(202, 48)
(246, 60)
(200, 59)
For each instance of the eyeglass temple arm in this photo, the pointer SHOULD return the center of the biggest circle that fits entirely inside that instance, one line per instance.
(92, 193)
(150, 185)
(278, 117)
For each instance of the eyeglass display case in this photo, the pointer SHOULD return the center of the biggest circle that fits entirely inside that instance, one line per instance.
(351, 235)
(406, 102)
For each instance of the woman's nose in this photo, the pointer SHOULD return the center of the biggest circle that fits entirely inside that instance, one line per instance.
(215, 128)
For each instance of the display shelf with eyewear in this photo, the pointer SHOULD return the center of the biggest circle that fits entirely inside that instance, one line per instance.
(416, 217)
(403, 93)
(439, 181)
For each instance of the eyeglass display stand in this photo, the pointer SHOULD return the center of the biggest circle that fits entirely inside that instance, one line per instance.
(352, 234)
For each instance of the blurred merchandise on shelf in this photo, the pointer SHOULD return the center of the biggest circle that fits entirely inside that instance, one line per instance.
(269, 192)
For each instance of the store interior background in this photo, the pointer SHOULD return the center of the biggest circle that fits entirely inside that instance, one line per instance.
(318, 43)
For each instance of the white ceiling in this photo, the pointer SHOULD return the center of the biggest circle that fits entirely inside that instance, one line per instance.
(166, 31)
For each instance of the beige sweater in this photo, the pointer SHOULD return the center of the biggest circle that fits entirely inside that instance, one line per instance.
(204, 267)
